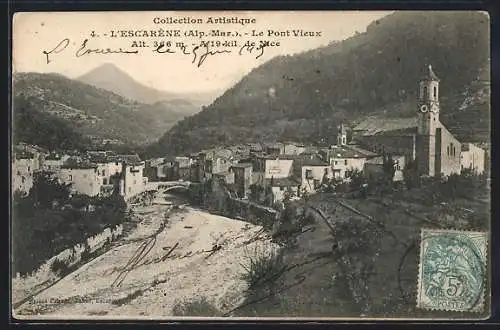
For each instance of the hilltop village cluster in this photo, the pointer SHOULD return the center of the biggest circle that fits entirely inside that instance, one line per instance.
(280, 167)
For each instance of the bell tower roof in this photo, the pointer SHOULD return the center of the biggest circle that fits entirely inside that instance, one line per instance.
(430, 75)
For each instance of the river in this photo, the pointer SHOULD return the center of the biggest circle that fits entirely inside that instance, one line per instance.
(175, 255)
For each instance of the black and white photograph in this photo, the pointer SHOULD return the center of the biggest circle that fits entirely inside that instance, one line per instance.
(275, 165)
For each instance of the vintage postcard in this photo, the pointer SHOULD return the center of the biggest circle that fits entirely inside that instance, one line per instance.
(250, 164)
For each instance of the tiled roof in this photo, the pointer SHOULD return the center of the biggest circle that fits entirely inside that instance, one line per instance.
(350, 151)
(374, 125)
(129, 159)
(399, 132)
(79, 165)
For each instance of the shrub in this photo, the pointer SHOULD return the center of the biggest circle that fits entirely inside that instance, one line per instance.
(199, 307)
(59, 267)
(264, 268)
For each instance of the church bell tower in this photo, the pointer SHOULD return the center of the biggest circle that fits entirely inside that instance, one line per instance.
(428, 103)
(429, 126)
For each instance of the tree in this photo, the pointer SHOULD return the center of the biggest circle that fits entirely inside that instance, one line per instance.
(410, 174)
(47, 189)
(389, 168)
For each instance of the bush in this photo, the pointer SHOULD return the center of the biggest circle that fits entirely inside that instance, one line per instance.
(59, 267)
(264, 268)
(40, 232)
(199, 307)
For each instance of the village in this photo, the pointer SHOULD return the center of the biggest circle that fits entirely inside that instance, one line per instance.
(277, 167)
(245, 191)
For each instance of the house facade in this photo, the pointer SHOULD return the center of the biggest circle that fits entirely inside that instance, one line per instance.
(24, 167)
(345, 159)
(84, 178)
(473, 157)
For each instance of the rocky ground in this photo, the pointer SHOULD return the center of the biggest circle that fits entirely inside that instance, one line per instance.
(174, 256)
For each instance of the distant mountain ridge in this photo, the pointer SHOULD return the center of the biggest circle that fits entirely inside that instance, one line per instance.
(110, 77)
(375, 73)
(90, 111)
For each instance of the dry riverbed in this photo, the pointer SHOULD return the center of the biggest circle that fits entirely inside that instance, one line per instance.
(174, 256)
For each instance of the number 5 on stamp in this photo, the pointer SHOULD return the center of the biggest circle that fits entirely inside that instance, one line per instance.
(452, 270)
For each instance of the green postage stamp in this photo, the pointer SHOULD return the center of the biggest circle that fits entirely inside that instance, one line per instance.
(452, 271)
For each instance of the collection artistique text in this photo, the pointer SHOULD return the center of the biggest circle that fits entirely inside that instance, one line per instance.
(207, 20)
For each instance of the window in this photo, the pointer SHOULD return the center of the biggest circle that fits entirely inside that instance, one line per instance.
(135, 181)
(425, 92)
(335, 162)
(435, 91)
(28, 168)
(398, 167)
(345, 162)
(70, 177)
(104, 181)
(18, 172)
(282, 188)
(448, 150)
(347, 174)
(129, 189)
(23, 179)
(103, 172)
(309, 174)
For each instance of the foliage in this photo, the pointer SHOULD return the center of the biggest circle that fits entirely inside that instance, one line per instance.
(59, 267)
(198, 307)
(389, 168)
(467, 184)
(357, 179)
(266, 264)
(86, 109)
(318, 89)
(40, 230)
(32, 126)
(358, 247)
(47, 189)
(410, 174)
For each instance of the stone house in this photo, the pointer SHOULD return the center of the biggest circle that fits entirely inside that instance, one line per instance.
(24, 166)
(345, 159)
(473, 157)
(242, 178)
(84, 177)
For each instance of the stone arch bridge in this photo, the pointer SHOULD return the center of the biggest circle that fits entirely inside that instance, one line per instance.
(154, 189)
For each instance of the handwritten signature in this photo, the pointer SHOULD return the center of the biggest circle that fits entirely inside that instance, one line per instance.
(137, 259)
(198, 52)
(84, 50)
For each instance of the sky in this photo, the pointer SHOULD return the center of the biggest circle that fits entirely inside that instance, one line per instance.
(34, 33)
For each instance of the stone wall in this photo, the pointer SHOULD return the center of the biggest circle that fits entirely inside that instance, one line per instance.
(22, 286)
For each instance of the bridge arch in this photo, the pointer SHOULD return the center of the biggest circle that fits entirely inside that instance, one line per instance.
(165, 189)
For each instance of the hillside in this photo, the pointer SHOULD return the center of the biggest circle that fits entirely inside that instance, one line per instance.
(42, 129)
(110, 77)
(94, 112)
(376, 72)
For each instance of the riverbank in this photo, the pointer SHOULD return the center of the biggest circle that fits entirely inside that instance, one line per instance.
(163, 262)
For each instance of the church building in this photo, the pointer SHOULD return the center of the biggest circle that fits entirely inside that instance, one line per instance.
(438, 151)
(435, 150)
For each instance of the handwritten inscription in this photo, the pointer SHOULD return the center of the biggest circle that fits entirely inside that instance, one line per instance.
(199, 39)
(84, 49)
(198, 52)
